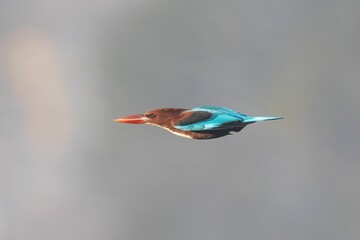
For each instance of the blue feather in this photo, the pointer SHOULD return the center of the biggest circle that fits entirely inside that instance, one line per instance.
(218, 110)
(250, 119)
(221, 118)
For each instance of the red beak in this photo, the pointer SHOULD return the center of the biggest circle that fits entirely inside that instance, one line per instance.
(133, 119)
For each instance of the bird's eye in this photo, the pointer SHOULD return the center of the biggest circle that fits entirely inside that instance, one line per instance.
(152, 115)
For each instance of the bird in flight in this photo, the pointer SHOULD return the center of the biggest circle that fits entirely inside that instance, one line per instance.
(206, 122)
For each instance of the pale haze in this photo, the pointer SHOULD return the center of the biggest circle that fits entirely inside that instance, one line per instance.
(68, 68)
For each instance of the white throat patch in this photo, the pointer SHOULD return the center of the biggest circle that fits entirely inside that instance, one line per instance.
(173, 132)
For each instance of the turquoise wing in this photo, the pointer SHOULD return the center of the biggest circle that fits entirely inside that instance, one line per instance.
(219, 110)
(219, 118)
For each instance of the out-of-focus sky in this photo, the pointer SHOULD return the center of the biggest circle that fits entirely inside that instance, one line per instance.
(68, 68)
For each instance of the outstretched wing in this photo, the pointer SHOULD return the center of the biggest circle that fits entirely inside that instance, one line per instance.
(209, 118)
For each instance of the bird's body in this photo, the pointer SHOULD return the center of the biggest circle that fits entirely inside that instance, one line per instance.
(204, 122)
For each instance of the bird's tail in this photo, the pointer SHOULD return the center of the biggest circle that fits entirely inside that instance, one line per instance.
(250, 119)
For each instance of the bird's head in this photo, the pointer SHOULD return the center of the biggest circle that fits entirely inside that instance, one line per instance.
(158, 117)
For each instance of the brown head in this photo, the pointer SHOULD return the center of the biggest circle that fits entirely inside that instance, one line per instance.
(159, 117)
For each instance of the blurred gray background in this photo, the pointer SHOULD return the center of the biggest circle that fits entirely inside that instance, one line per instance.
(68, 68)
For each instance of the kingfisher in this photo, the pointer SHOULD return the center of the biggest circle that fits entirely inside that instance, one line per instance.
(205, 122)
